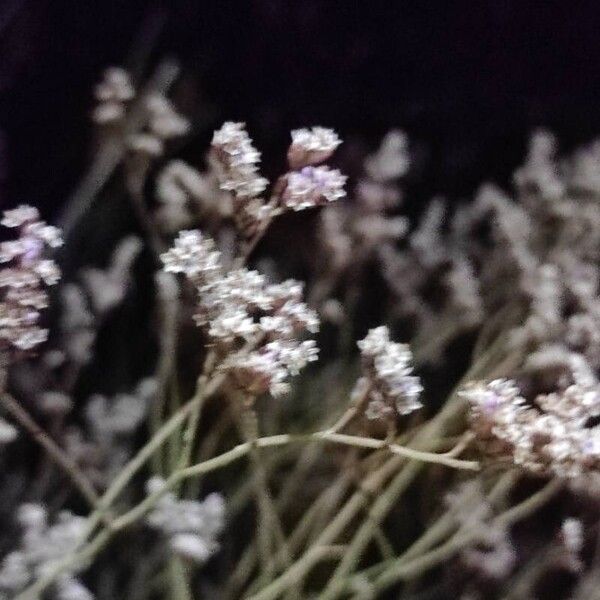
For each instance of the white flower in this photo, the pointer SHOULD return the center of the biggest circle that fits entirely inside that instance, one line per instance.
(22, 282)
(165, 123)
(19, 216)
(193, 254)
(241, 306)
(311, 146)
(191, 527)
(391, 159)
(313, 186)
(115, 87)
(238, 160)
(387, 380)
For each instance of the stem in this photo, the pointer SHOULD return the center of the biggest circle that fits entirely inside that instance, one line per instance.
(401, 571)
(81, 555)
(451, 411)
(111, 154)
(247, 423)
(147, 451)
(53, 450)
(410, 453)
(189, 436)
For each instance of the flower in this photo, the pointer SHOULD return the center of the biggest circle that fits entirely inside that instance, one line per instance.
(191, 527)
(164, 121)
(312, 146)
(112, 93)
(313, 186)
(391, 159)
(387, 382)
(241, 306)
(238, 161)
(551, 435)
(23, 280)
(268, 368)
(43, 545)
(194, 255)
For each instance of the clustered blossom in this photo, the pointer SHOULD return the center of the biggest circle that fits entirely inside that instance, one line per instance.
(491, 552)
(236, 162)
(113, 93)
(191, 527)
(549, 436)
(23, 279)
(107, 287)
(163, 124)
(387, 382)
(391, 160)
(240, 306)
(312, 146)
(239, 161)
(307, 185)
(8, 433)
(268, 368)
(43, 545)
(572, 537)
(108, 439)
(313, 186)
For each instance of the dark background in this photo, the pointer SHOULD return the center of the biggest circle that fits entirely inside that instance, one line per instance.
(468, 81)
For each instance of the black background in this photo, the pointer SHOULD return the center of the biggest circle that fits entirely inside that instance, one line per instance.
(467, 80)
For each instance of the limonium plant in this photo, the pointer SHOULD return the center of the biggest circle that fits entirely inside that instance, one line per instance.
(331, 400)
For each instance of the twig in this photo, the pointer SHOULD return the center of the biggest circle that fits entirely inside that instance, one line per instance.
(53, 450)
(218, 462)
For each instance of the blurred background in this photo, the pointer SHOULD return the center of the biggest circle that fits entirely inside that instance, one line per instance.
(468, 81)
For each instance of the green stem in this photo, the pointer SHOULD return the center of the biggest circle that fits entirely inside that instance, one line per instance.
(401, 570)
(450, 413)
(220, 461)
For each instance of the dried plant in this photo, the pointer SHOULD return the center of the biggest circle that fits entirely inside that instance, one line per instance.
(209, 448)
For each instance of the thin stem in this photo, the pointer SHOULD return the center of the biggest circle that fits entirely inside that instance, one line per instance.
(437, 532)
(404, 451)
(111, 154)
(210, 465)
(247, 423)
(53, 450)
(401, 571)
(189, 437)
(451, 412)
(147, 451)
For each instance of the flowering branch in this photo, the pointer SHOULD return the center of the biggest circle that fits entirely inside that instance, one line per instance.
(219, 462)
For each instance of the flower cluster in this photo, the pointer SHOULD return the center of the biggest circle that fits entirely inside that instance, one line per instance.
(240, 306)
(391, 160)
(572, 538)
(311, 146)
(111, 423)
(163, 124)
(191, 527)
(112, 94)
(23, 280)
(307, 185)
(491, 552)
(551, 435)
(269, 367)
(312, 186)
(43, 545)
(8, 433)
(239, 161)
(236, 162)
(387, 382)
